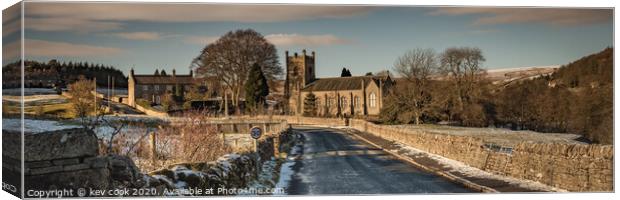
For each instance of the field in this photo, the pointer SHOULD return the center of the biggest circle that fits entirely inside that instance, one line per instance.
(38, 102)
(500, 136)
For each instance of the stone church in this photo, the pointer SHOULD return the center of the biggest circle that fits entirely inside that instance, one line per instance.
(337, 96)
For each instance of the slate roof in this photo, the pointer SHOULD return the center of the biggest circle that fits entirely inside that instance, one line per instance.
(163, 79)
(342, 83)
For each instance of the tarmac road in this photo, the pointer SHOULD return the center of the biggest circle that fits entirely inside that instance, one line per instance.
(334, 162)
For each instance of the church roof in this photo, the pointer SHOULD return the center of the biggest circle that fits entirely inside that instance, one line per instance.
(163, 79)
(343, 83)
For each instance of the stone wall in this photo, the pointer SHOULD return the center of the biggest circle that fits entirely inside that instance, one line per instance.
(66, 159)
(151, 112)
(305, 120)
(574, 167)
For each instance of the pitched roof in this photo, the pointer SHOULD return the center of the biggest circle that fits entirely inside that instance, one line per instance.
(342, 83)
(168, 79)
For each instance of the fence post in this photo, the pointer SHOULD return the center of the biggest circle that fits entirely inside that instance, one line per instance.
(276, 146)
(153, 140)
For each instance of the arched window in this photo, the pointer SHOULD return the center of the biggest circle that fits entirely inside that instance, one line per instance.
(373, 100)
(343, 102)
(329, 102)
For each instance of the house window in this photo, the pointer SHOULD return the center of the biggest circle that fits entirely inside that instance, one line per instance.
(329, 102)
(373, 100)
(145, 87)
(343, 102)
(169, 87)
(356, 101)
(156, 87)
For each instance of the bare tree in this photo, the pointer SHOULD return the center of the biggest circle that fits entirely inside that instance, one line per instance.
(463, 68)
(416, 66)
(231, 57)
(85, 104)
(90, 111)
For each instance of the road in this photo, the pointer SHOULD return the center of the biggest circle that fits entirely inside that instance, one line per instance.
(334, 162)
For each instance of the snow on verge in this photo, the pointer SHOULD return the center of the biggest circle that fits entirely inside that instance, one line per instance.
(457, 166)
(34, 126)
(286, 175)
(286, 170)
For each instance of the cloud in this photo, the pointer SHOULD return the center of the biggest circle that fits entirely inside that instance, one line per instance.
(69, 24)
(46, 16)
(281, 39)
(11, 51)
(139, 35)
(305, 40)
(11, 20)
(35, 47)
(483, 31)
(551, 16)
(200, 39)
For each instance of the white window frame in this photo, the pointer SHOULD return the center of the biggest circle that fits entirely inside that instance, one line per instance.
(373, 99)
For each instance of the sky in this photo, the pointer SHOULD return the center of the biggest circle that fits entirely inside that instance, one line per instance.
(148, 36)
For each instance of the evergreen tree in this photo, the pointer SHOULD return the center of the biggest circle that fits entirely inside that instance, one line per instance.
(256, 88)
(310, 107)
(345, 72)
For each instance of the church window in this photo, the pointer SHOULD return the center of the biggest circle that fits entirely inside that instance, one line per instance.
(373, 100)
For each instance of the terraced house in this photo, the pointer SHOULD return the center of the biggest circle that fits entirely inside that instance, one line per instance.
(337, 96)
(153, 87)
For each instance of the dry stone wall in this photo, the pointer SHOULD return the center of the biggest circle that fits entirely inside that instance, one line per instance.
(574, 167)
(67, 159)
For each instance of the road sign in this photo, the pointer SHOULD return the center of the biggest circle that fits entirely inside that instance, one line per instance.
(256, 132)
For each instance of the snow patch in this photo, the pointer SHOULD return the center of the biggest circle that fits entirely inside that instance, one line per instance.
(34, 126)
(457, 166)
(286, 175)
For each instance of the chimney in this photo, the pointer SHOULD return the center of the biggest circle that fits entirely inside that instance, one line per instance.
(174, 72)
(131, 72)
(304, 52)
(286, 53)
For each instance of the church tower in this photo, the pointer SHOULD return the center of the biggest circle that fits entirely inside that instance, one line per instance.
(300, 71)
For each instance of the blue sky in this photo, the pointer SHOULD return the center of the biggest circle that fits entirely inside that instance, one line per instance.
(363, 39)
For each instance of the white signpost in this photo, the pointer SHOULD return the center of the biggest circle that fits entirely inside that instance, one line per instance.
(255, 133)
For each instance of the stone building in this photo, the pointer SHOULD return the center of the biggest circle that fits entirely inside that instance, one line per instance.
(337, 96)
(153, 87)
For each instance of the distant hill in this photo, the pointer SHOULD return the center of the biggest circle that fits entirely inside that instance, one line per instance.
(53, 73)
(576, 98)
(510, 75)
(595, 69)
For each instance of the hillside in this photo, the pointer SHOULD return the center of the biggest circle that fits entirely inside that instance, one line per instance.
(576, 98)
(507, 76)
(41, 74)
